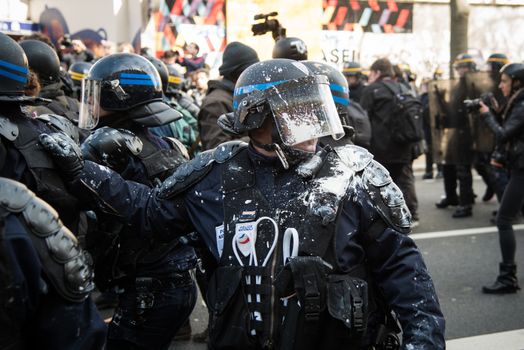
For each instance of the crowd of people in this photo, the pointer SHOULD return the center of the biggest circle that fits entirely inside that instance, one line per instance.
(284, 190)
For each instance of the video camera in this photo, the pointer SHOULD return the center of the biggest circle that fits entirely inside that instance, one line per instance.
(268, 25)
(474, 105)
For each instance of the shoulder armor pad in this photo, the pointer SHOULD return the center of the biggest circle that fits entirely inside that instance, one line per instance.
(61, 124)
(66, 265)
(179, 146)
(8, 129)
(191, 172)
(355, 157)
(387, 198)
(14, 196)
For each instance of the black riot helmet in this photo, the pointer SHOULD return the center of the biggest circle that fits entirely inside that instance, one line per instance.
(299, 103)
(465, 60)
(352, 69)
(78, 71)
(337, 84)
(496, 61)
(14, 69)
(175, 80)
(291, 48)
(122, 82)
(43, 60)
(161, 69)
(516, 72)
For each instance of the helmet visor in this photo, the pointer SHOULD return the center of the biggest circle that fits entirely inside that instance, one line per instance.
(90, 104)
(304, 110)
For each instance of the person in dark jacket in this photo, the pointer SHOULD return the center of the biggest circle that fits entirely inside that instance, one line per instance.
(45, 278)
(353, 73)
(510, 149)
(378, 100)
(219, 98)
(268, 213)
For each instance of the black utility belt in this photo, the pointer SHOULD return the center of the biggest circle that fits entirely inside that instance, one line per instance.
(175, 280)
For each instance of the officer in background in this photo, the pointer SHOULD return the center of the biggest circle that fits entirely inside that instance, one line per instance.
(291, 48)
(295, 229)
(184, 129)
(459, 153)
(353, 73)
(45, 278)
(353, 117)
(44, 61)
(21, 157)
(123, 99)
(77, 72)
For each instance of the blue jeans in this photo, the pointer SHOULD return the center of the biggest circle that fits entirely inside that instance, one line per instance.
(149, 315)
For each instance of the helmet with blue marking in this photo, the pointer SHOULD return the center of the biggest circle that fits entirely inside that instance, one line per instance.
(14, 69)
(299, 102)
(118, 82)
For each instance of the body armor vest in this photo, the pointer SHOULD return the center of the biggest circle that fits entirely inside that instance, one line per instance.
(49, 185)
(281, 268)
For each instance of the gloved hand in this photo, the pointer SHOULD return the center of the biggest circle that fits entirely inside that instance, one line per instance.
(65, 152)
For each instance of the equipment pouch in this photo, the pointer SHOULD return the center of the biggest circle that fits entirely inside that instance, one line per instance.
(229, 324)
(348, 303)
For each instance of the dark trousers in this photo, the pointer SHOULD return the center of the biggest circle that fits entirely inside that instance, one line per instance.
(402, 175)
(462, 174)
(484, 169)
(149, 315)
(510, 206)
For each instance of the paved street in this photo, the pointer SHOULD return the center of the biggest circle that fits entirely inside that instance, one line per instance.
(460, 262)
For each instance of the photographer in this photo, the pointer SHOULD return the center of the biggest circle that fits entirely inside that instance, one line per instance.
(510, 141)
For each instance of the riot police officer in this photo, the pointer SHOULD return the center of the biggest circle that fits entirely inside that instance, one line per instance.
(122, 96)
(45, 278)
(21, 157)
(352, 116)
(295, 229)
(459, 154)
(44, 61)
(353, 73)
(77, 72)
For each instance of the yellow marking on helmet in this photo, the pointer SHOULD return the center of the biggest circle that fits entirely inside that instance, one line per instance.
(174, 79)
(351, 70)
(464, 60)
(498, 59)
(77, 76)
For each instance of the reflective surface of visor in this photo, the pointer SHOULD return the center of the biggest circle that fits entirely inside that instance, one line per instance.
(304, 110)
(89, 104)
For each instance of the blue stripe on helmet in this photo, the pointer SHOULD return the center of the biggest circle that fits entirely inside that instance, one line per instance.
(13, 76)
(137, 82)
(250, 88)
(135, 76)
(341, 101)
(14, 67)
(338, 88)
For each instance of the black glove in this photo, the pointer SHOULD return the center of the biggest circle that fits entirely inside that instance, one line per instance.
(65, 152)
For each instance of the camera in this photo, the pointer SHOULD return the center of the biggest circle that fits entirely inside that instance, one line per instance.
(268, 25)
(66, 42)
(474, 105)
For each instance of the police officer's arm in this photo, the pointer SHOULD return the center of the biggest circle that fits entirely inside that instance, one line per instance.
(513, 125)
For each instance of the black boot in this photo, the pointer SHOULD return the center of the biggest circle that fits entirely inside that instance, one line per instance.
(506, 281)
(446, 202)
(463, 211)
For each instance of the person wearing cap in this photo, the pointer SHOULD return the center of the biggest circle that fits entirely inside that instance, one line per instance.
(219, 98)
